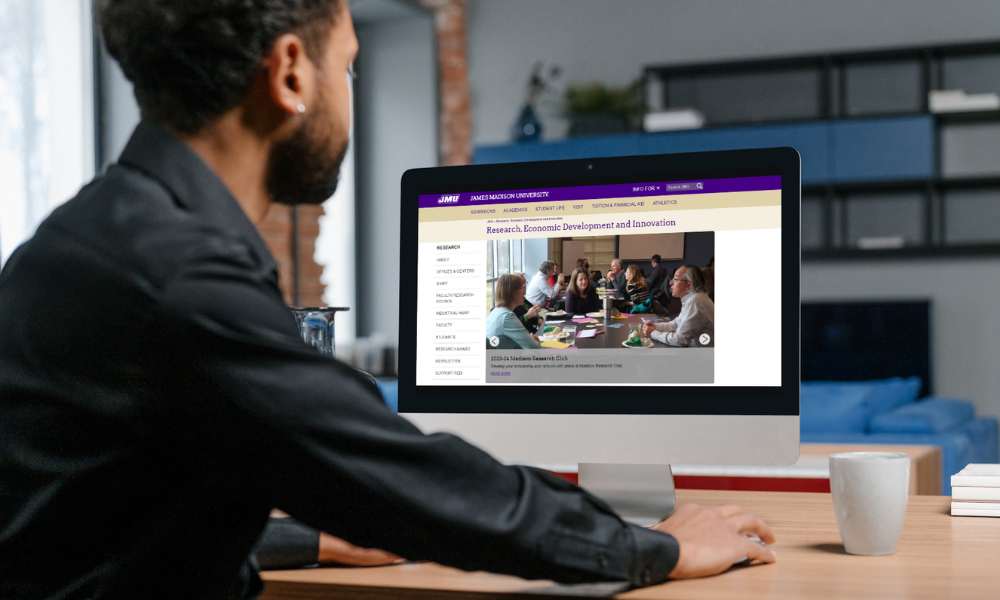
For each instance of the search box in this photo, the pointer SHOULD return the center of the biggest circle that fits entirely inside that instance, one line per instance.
(677, 187)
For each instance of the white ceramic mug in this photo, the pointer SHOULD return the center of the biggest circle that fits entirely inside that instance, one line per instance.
(870, 490)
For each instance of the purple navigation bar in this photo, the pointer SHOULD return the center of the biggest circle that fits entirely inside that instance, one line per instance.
(602, 192)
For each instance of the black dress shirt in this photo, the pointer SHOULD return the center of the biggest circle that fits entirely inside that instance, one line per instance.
(520, 311)
(156, 401)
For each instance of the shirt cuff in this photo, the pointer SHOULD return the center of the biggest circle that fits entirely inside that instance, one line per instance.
(656, 555)
(286, 544)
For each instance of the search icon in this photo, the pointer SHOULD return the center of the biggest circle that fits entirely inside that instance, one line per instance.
(699, 186)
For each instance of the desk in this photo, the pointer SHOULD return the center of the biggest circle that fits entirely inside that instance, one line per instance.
(939, 556)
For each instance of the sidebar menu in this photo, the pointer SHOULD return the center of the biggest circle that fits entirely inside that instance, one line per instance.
(457, 302)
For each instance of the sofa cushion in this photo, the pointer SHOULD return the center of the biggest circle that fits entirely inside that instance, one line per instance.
(832, 408)
(933, 415)
(890, 393)
(881, 394)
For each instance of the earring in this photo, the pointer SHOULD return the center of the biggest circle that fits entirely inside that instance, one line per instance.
(301, 108)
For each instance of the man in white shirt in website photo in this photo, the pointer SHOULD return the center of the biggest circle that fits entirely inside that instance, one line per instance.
(540, 291)
(695, 325)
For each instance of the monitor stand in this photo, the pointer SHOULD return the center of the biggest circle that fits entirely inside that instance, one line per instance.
(641, 494)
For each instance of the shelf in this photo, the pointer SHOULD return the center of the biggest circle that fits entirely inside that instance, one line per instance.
(917, 184)
(873, 158)
(910, 252)
(957, 118)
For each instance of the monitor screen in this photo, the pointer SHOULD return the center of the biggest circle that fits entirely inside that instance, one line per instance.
(724, 343)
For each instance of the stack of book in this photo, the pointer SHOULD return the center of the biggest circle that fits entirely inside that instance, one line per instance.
(975, 491)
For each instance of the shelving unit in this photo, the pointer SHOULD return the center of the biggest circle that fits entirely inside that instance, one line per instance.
(945, 210)
(875, 162)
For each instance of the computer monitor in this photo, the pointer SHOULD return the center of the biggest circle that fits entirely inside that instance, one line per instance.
(729, 395)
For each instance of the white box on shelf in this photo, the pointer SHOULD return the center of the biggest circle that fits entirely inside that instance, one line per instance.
(674, 119)
(944, 101)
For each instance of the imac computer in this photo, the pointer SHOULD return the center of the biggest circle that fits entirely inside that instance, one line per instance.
(718, 383)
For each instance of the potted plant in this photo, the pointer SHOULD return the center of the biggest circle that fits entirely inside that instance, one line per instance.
(595, 108)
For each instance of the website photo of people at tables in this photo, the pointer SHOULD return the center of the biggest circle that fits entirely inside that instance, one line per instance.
(664, 301)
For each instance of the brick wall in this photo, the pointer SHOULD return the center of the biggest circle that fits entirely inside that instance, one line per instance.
(455, 118)
(276, 229)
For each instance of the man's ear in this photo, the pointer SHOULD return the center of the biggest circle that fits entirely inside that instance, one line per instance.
(290, 75)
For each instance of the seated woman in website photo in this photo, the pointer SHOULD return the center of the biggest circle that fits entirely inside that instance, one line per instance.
(581, 297)
(502, 322)
(637, 290)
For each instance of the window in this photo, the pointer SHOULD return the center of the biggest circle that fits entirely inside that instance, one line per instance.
(46, 111)
(503, 257)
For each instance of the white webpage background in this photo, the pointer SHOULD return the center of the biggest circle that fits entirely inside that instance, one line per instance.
(747, 312)
(748, 307)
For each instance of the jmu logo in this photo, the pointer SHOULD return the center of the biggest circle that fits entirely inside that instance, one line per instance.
(448, 199)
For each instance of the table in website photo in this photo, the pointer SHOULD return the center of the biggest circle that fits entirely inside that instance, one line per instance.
(613, 337)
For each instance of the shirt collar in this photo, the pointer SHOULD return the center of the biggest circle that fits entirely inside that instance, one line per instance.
(192, 183)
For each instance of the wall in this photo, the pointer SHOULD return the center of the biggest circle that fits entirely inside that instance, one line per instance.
(699, 249)
(536, 251)
(612, 41)
(396, 130)
(119, 111)
(964, 318)
(507, 38)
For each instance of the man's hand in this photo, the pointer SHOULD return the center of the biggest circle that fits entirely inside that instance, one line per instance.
(647, 329)
(561, 278)
(335, 550)
(712, 539)
(533, 311)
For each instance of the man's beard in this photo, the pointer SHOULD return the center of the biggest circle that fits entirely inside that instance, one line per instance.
(304, 168)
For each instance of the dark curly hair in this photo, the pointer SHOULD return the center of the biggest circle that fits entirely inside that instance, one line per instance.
(191, 61)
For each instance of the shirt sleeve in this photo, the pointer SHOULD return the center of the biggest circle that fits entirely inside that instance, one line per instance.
(551, 291)
(680, 332)
(286, 544)
(513, 329)
(291, 428)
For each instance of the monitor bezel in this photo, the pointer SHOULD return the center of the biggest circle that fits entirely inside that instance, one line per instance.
(780, 400)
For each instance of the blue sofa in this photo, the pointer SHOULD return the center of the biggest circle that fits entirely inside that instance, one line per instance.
(879, 412)
(888, 412)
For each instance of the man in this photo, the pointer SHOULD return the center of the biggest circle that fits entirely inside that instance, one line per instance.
(147, 433)
(540, 291)
(658, 276)
(528, 312)
(616, 276)
(695, 325)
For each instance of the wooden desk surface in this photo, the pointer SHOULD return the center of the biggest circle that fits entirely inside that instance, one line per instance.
(939, 556)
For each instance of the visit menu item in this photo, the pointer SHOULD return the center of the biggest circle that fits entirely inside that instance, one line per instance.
(870, 491)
